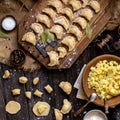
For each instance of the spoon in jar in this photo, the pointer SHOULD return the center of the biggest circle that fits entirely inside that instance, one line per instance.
(92, 97)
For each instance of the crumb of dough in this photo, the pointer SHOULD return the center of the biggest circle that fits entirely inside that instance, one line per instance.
(28, 94)
(48, 88)
(23, 80)
(12, 107)
(16, 91)
(35, 80)
(58, 114)
(38, 93)
(41, 109)
(6, 74)
(66, 108)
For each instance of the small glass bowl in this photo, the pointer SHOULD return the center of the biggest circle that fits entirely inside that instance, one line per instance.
(8, 23)
(95, 115)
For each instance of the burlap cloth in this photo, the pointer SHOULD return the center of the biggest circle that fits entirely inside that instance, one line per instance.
(18, 8)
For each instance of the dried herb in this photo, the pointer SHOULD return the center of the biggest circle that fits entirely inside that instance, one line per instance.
(47, 35)
(88, 31)
(3, 35)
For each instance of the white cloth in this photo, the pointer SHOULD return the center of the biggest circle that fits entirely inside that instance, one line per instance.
(78, 85)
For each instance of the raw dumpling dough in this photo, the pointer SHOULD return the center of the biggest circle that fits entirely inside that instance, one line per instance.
(57, 4)
(66, 87)
(12, 107)
(62, 52)
(85, 3)
(62, 20)
(58, 114)
(43, 19)
(70, 42)
(87, 13)
(65, 1)
(76, 4)
(57, 30)
(81, 21)
(66, 106)
(30, 38)
(41, 109)
(37, 28)
(50, 12)
(68, 12)
(95, 5)
(75, 31)
(54, 58)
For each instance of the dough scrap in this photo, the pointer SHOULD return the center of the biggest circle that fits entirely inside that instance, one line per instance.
(66, 87)
(58, 114)
(12, 107)
(41, 108)
(66, 106)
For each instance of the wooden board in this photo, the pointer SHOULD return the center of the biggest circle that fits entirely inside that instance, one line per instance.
(97, 24)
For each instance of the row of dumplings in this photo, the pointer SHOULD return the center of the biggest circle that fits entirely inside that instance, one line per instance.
(66, 27)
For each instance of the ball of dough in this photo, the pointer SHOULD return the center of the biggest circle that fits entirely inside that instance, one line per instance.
(12, 107)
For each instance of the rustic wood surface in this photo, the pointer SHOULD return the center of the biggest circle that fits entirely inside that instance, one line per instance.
(52, 77)
(97, 24)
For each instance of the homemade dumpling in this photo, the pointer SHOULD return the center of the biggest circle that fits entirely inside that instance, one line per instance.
(43, 19)
(62, 52)
(81, 21)
(85, 3)
(41, 108)
(65, 1)
(66, 87)
(57, 30)
(62, 20)
(87, 13)
(58, 114)
(30, 38)
(75, 31)
(37, 28)
(68, 12)
(95, 5)
(50, 12)
(66, 106)
(76, 4)
(54, 58)
(57, 4)
(70, 42)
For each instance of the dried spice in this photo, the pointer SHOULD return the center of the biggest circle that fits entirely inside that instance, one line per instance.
(17, 57)
(88, 31)
(3, 35)
(47, 35)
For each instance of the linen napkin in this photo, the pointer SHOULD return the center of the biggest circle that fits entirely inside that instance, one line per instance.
(78, 85)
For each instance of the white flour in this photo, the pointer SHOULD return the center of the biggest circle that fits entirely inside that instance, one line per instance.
(94, 118)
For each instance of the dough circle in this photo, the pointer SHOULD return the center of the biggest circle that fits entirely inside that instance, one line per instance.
(44, 113)
(13, 107)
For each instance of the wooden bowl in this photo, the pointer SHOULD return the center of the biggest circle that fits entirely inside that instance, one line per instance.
(111, 102)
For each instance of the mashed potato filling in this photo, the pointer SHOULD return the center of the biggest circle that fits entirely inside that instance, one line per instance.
(104, 77)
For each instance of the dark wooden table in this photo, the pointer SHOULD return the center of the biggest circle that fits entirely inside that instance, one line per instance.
(53, 77)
